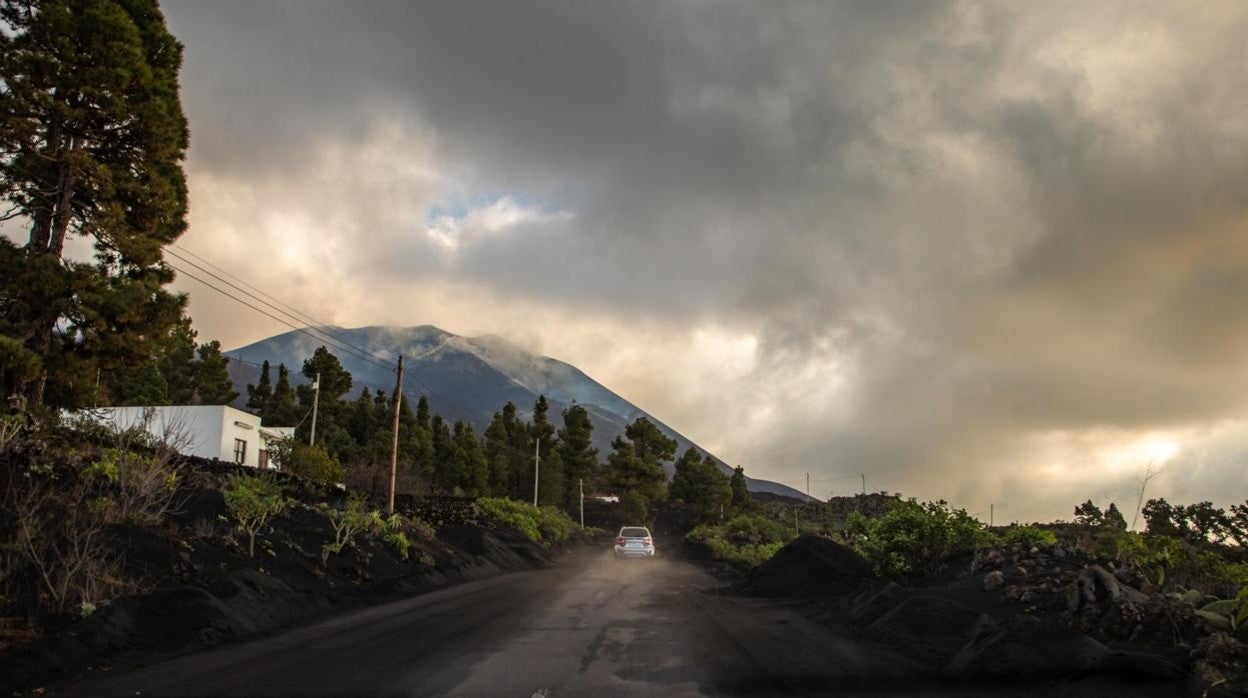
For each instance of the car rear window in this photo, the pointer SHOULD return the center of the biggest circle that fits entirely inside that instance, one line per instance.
(634, 533)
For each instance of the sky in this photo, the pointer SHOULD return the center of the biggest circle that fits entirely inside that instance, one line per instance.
(993, 253)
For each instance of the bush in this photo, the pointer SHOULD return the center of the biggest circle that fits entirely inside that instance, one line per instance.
(310, 462)
(1028, 536)
(749, 538)
(555, 525)
(253, 500)
(509, 512)
(915, 538)
(547, 524)
(348, 523)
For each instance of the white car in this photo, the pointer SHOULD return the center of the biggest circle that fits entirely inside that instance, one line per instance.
(634, 541)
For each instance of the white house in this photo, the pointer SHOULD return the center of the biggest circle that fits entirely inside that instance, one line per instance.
(207, 431)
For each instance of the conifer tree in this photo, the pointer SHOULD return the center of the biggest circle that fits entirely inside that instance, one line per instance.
(576, 450)
(551, 476)
(1114, 519)
(212, 377)
(94, 137)
(281, 410)
(443, 453)
(258, 396)
(636, 460)
(469, 467)
(740, 493)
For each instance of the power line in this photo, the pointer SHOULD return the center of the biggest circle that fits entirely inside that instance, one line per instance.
(326, 338)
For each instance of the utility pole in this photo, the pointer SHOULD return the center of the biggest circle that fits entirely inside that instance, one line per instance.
(394, 444)
(537, 459)
(316, 399)
(582, 485)
(864, 484)
(991, 514)
(807, 484)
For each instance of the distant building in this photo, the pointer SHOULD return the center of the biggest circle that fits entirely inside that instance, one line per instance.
(207, 431)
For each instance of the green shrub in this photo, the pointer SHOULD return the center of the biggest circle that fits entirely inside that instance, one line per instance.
(310, 462)
(749, 538)
(348, 523)
(554, 525)
(253, 500)
(401, 544)
(546, 524)
(509, 512)
(914, 538)
(1027, 536)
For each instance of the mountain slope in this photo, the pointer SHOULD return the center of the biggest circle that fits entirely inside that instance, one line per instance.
(466, 378)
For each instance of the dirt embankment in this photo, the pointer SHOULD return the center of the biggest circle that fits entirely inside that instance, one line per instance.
(205, 590)
(1044, 615)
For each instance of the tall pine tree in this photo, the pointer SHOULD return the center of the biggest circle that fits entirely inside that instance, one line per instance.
(258, 395)
(94, 137)
(576, 450)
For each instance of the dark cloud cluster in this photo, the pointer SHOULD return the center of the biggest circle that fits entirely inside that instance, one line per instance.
(1006, 239)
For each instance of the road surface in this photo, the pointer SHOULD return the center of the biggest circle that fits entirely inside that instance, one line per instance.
(592, 626)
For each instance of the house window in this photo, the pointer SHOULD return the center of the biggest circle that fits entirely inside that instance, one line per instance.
(240, 451)
(263, 455)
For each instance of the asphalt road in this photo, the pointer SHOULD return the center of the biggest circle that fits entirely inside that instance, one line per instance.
(593, 626)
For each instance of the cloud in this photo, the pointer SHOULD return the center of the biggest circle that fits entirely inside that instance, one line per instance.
(961, 247)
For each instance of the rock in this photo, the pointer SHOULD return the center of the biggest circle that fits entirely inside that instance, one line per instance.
(929, 628)
(810, 566)
(868, 606)
(1024, 648)
(1020, 571)
(993, 581)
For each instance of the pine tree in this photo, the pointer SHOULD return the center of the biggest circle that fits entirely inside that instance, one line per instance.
(177, 362)
(335, 384)
(551, 482)
(212, 377)
(740, 493)
(576, 450)
(636, 462)
(1114, 518)
(281, 410)
(699, 482)
(94, 137)
(1088, 514)
(258, 396)
(443, 453)
(470, 468)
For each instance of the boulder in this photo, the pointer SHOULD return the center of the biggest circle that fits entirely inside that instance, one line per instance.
(809, 567)
(928, 628)
(1025, 647)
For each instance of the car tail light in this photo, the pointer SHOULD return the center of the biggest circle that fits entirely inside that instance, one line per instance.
(619, 541)
(649, 542)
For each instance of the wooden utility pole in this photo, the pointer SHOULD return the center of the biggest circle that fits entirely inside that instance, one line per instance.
(807, 484)
(864, 484)
(394, 443)
(537, 459)
(582, 485)
(316, 399)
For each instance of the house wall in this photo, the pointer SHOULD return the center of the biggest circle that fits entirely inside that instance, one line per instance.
(210, 430)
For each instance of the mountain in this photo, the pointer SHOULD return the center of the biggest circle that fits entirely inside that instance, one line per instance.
(465, 378)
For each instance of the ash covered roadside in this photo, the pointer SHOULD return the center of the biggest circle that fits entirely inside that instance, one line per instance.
(1041, 616)
(193, 581)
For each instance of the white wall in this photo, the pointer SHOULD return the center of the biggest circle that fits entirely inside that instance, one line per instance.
(208, 431)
